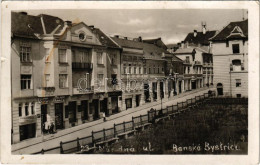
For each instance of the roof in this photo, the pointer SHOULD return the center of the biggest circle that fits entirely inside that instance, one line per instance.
(175, 58)
(25, 25)
(189, 50)
(104, 39)
(157, 41)
(51, 23)
(151, 51)
(169, 46)
(234, 30)
(200, 38)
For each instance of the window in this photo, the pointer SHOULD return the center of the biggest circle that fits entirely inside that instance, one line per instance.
(238, 95)
(73, 55)
(140, 70)
(25, 53)
(145, 71)
(154, 71)
(227, 43)
(236, 65)
(62, 55)
(47, 80)
(113, 59)
(238, 82)
(99, 58)
(188, 70)
(130, 69)
(82, 36)
(26, 109)
(187, 60)
(162, 69)
(63, 80)
(32, 108)
(83, 57)
(149, 71)
(235, 48)
(125, 69)
(134, 70)
(47, 55)
(100, 79)
(20, 109)
(26, 81)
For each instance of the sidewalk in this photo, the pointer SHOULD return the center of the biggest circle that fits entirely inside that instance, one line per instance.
(53, 140)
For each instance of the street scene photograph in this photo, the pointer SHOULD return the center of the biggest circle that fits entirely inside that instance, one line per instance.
(129, 81)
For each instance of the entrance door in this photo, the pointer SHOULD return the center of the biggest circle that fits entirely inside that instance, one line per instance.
(180, 86)
(193, 84)
(146, 93)
(128, 103)
(220, 88)
(114, 101)
(161, 90)
(103, 106)
(84, 108)
(96, 113)
(43, 115)
(59, 115)
(137, 100)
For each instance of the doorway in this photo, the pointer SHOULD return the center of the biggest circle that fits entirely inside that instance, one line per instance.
(146, 93)
(84, 108)
(137, 100)
(180, 86)
(96, 113)
(193, 84)
(59, 115)
(43, 115)
(103, 106)
(220, 89)
(161, 90)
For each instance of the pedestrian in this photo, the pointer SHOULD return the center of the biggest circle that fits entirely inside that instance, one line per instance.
(46, 126)
(104, 116)
(51, 131)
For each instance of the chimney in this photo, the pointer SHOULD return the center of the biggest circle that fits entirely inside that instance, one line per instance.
(92, 27)
(182, 44)
(195, 33)
(68, 23)
(140, 39)
(204, 28)
(125, 38)
(116, 36)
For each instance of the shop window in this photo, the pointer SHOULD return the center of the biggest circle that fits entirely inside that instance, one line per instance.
(63, 80)
(25, 53)
(26, 81)
(238, 82)
(100, 58)
(32, 108)
(66, 111)
(27, 131)
(235, 48)
(62, 55)
(20, 110)
(26, 107)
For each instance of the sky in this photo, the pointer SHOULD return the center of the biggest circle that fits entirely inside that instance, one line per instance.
(172, 25)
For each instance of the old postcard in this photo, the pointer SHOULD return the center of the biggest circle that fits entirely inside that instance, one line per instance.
(130, 82)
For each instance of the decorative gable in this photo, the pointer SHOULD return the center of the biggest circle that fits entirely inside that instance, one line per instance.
(237, 31)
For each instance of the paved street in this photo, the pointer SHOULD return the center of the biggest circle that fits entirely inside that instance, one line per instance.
(49, 141)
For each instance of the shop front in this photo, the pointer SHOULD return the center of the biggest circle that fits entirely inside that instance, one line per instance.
(27, 127)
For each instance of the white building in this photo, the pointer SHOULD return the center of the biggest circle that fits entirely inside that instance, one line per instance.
(230, 56)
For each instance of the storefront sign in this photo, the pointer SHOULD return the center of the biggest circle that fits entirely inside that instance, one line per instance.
(111, 94)
(27, 120)
(43, 100)
(59, 99)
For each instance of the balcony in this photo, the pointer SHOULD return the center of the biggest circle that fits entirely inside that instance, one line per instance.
(208, 65)
(186, 62)
(77, 91)
(197, 63)
(45, 91)
(82, 65)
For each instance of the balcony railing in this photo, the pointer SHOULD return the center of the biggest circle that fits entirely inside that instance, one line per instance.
(186, 62)
(207, 64)
(197, 63)
(45, 91)
(82, 65)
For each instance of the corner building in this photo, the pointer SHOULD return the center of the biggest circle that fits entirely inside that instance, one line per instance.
(62, 73)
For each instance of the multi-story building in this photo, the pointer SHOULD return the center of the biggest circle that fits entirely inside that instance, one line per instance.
(58, 74)
(143, 71)
(230, 56)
